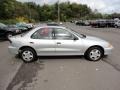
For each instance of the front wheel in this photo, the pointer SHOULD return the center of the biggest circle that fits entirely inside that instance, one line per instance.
(28, 55)
(94, 54)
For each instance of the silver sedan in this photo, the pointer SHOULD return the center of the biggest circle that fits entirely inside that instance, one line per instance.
(57, 41)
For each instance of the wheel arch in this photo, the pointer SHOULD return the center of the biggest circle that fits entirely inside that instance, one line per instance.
(23, 47)
(95, 46)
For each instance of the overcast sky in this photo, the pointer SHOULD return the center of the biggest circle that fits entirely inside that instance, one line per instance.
(104, 6)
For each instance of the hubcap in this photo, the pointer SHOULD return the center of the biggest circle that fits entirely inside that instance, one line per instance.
(27, 55)
(95, 54)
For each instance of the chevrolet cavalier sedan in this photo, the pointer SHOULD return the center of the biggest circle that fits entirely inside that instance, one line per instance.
(57, 41)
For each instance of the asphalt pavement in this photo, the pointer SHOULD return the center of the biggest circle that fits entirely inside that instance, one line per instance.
(63, 73)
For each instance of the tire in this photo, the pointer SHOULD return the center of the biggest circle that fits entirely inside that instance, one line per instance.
(94, 54)
(28, 55)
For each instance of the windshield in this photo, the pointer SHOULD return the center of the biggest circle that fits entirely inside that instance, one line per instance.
(12, 26)
(79, 35)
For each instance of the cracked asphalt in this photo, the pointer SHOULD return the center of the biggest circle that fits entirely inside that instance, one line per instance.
(63, 73)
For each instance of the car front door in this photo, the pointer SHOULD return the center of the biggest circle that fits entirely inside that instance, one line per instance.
(44, 43)
(67, 43)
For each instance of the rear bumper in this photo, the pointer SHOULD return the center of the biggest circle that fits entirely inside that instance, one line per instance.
(13, 50)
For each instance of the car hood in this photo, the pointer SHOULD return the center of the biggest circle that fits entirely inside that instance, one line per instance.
(10, 29)
(95, 39)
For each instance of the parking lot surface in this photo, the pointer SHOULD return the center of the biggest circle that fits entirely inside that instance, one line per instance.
(63, 73)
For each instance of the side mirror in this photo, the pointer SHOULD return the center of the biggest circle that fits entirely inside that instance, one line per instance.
(75, 38)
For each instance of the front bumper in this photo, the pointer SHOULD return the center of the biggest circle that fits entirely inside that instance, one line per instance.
(108, 51)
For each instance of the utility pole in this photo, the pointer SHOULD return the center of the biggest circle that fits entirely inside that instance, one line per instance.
(58, 11)
(29, 10)
(44, 2)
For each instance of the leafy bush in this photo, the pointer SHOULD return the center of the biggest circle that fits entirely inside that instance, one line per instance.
(22, 19)
(19, 19)
(9, 21)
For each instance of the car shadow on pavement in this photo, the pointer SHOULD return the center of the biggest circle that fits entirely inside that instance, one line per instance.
(60, 57)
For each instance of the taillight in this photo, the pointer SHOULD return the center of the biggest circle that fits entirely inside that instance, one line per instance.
(10, 41)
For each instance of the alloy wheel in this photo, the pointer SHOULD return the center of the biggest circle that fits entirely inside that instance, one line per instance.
(27, 55)
(95, 54)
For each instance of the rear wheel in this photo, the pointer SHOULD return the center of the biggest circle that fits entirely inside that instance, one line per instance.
(94, 54)
(28, 55)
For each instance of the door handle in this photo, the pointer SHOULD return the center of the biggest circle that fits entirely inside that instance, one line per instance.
(58, 42)
(31, 42)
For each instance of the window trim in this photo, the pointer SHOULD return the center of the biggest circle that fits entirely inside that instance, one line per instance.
(53, 34)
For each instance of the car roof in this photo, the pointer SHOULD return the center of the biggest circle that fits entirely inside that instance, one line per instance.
(50, 27)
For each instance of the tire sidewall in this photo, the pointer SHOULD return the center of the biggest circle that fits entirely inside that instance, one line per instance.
(87, 55)
(32, 51)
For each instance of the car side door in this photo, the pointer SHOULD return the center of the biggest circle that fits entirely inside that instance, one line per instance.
(67, 43)
(44, 43)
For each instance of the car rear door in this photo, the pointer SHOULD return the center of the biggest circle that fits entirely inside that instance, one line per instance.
(65, 43)
(44, 43)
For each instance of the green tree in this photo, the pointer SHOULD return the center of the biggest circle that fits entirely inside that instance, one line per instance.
(7, 8)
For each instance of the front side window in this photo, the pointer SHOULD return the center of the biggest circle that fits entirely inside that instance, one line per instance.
(62, 34)
(44, 33)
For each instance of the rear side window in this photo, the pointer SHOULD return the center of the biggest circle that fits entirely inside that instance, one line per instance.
(43, 33)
